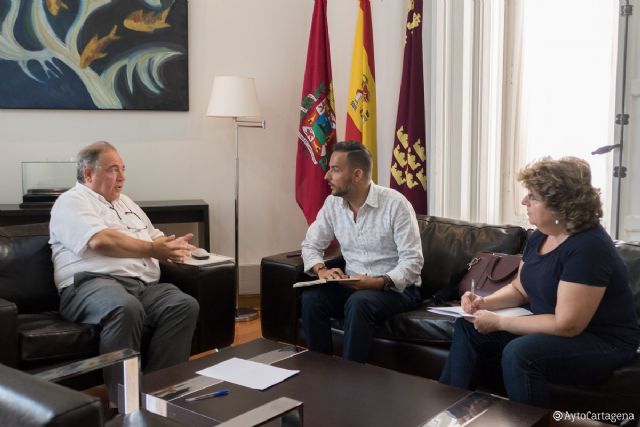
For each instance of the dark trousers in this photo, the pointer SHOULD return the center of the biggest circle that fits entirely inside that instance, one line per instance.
(530, 362)
(360, 309)
(126, 309)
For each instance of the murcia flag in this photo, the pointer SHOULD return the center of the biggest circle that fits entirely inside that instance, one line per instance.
(408, 161)
(361, 109)
(317, 131)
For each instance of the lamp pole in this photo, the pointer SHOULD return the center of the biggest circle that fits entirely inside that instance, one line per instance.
(235, 97)
(242, 314)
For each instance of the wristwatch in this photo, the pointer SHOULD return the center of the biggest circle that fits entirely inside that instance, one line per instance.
(387, 282)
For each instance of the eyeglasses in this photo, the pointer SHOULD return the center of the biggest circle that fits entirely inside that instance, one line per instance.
(128, 214)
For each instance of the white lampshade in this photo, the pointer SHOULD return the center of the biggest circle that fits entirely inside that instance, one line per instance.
(233, 96)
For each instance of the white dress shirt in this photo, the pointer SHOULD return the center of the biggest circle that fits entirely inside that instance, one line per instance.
(384, 238)
(77, 215)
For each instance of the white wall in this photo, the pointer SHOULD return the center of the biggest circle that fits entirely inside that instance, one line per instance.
(187, 155)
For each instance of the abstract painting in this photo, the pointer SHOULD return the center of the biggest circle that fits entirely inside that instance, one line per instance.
(94, 54)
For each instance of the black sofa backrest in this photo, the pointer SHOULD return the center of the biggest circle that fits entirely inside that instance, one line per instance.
(25, 260)
(630, 253)
(448, 245)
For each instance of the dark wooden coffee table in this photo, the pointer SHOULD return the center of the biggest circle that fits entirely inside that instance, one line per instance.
(336, 392)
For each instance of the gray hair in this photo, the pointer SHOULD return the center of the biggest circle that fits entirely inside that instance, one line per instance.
(88, 157)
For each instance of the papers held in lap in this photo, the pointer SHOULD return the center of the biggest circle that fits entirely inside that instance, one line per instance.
(458, 312)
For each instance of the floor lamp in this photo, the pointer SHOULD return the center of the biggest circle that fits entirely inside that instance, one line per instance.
(236, 98)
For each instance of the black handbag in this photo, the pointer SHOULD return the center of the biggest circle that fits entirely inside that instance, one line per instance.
(491, 271)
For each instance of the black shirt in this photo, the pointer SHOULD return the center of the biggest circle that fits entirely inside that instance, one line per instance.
(588, 258)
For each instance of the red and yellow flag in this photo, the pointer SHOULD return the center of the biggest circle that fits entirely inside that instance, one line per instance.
(409, 157)
(361, 111)
(317, 130)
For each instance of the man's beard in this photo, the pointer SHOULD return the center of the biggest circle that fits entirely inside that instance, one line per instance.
(341, 192)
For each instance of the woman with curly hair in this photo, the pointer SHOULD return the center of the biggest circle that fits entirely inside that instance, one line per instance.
(583, 324)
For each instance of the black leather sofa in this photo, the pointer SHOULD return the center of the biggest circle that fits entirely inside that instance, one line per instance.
(417, 342)
(33, 336)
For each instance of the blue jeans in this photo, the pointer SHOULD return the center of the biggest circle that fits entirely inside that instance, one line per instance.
(361, 311)
(530, 362)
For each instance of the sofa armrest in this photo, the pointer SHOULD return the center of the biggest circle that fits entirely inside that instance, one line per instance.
(8, 333)
(213, 286)
(278, 299)
(28, 400)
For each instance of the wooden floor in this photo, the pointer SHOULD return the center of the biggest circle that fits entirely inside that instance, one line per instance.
(247, 331)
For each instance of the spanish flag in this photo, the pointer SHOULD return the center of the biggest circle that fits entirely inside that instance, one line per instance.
(409, 157)
(361, 111)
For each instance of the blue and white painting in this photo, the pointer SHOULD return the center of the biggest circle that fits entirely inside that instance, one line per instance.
(94, 54)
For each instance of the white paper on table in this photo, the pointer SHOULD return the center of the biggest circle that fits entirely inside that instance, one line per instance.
(246, 373)
(458, 312)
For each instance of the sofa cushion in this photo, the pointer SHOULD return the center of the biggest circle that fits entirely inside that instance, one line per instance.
(448, 245)
(26, 269)
(419, 326)
(46, 338)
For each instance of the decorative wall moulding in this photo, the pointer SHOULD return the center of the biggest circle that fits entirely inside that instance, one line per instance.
(94, 54)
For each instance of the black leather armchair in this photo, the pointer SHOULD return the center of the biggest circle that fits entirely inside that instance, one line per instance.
(33, 335)
(33, 401)
(27, 401)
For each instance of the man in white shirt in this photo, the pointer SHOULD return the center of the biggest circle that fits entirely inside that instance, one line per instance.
(105, 254)
(380, 241)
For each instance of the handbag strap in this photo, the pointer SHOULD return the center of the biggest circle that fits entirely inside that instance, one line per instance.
(495, 260)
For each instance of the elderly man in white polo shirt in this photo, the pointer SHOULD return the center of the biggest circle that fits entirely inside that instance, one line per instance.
(105, 257)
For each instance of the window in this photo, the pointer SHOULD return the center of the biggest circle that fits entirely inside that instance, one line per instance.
(567, 102)
(513, 81)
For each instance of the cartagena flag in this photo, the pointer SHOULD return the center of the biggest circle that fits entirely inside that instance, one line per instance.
(361, 111)
(317, 130)
(408, 160)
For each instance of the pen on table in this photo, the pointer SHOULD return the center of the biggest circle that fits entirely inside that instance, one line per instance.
(218, 393)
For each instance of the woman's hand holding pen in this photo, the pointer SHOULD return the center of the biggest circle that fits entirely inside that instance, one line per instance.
(472, 302)
(484, 321)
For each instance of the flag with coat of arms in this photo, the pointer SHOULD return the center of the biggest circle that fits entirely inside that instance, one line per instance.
(317, 130)
(409, 158)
